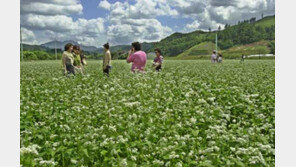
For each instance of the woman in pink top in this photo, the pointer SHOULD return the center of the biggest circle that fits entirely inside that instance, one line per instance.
(137, 57)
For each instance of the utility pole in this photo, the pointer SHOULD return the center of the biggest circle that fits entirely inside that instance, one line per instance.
(217, 43)
(22, 49)
(55, 48)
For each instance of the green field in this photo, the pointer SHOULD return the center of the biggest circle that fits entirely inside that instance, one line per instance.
(202, 50)
(205, 49)
(249, 49)
(193, 113)
(266, 22)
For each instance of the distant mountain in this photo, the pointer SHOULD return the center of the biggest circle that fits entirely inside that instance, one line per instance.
(60, 45)
(125, 48)
(28, 47)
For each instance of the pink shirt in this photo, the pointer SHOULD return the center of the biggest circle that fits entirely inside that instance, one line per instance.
(139, 59)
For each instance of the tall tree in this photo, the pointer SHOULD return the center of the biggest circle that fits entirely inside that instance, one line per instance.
(210, 30)
(219, 28)
(225, 26)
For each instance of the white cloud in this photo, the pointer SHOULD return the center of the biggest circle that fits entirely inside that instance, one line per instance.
(59, 23)
(212, 13)
(137, 22)
(193, 26)
(60, 2)
(130, 21)
(49, 20)
(28, 36)
(142, 30)
(51, 9)
(105, 5)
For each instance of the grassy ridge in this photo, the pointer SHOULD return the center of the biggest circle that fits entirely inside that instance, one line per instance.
(204, 50)
(243, 33)
(249, 49)
(200, 50)
(266, 21)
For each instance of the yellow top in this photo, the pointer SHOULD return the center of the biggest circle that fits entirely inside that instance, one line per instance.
(67, 57)
(107, 59)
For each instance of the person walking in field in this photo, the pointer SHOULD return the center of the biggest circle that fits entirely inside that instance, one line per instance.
(243, 58)
(137, 57)
(219, 58)
(82, 58)
(77, 59)
(106, 60)
(157, 62)
(214, 57)
(68, 60)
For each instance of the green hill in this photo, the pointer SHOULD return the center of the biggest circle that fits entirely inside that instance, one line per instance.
(200, 50)
(266, 21)
(204, 50)
(245, 32)
(261, 47)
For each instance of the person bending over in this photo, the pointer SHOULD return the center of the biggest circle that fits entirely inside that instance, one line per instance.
(157, 62)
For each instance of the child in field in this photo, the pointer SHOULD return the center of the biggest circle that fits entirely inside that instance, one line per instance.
(220, 58)
(106, 60)
(214, 57)
(157, 62)
(137, 57)
(82, 58)
(77, 59)
(243, 58)
(68, 60)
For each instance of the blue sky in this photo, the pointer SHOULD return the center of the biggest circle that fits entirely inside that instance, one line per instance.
(94, 22)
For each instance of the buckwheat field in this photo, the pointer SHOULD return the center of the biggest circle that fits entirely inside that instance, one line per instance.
(192, 113)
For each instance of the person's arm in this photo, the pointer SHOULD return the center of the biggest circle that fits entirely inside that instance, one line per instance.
(104, 61)
(109, 59)
(130, 57)
(79, 60)
(161, 59)
(64, 62)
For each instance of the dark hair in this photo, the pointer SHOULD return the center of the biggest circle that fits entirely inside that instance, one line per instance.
(137, 46)
(106, 45)
(76, 47)
(157, 50)
(220, 55)
(67, 46)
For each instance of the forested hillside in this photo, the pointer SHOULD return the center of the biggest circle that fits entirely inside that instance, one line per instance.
(245, 32)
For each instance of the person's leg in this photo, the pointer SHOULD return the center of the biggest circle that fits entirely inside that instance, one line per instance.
(82, 69)
(72, 70)
(68, 68)
(106, 72)
(158, 68)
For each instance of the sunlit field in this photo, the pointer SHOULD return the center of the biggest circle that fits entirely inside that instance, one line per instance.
(192, 113)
